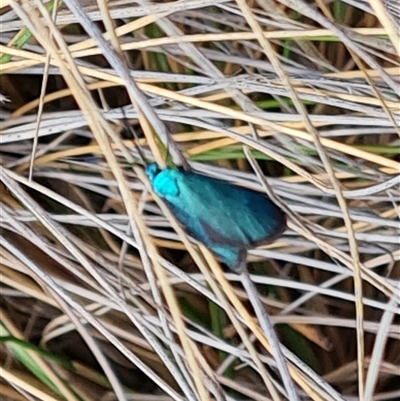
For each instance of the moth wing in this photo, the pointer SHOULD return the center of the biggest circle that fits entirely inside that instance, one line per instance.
(223, 247)
(199, 228)
(234, 258)
(228, 219)
(230, 214)
(205, 212)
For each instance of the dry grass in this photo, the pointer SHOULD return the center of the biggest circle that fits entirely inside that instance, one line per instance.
(100, 298)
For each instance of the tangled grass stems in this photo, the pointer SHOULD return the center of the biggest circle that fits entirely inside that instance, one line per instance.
(86, 250)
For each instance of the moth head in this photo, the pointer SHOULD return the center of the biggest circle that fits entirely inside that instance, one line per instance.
(152, 170)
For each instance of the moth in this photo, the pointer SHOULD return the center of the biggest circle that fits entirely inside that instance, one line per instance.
(226, 218)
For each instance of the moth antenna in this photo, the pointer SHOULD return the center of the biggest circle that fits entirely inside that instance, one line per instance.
(254, 132)
(182, 159)
(130, 129)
